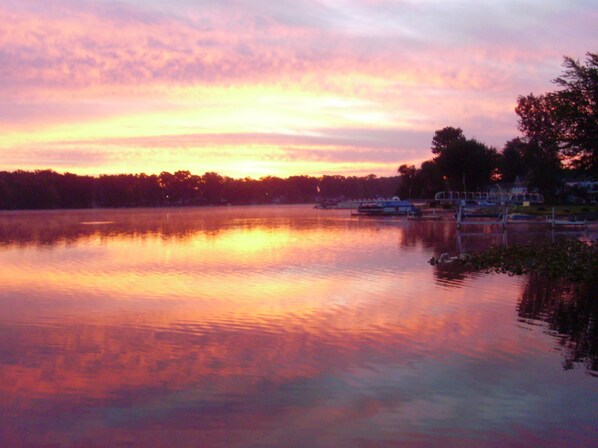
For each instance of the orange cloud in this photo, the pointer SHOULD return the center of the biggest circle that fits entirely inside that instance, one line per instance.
(121, 72)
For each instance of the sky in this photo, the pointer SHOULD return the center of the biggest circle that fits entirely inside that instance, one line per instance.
(254, 88)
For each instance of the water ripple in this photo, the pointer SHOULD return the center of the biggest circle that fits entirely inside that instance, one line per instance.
(267, 324)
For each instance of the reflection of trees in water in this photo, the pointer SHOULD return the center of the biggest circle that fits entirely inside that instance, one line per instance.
(451, 274)
(438, 236)
(481, 238)
(571, 312)
(49, 228)
(455, 242)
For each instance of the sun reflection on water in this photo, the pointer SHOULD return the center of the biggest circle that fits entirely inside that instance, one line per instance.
(262, 324)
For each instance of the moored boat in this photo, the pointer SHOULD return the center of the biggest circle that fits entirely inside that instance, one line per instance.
(387, 207)
(417, 217)
(571, 222)
(479, 209)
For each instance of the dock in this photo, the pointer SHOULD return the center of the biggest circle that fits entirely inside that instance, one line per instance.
(502, 220)
(553, 222)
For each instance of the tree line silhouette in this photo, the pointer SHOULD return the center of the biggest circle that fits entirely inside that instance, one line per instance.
(560, 141)
(47, 189)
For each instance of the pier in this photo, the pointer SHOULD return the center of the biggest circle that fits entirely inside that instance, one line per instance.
(502, 220)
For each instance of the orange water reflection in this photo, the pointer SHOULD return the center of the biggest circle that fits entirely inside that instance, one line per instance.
(261, 327)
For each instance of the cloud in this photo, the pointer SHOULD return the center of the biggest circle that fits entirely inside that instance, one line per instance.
(268, 71)
(325, 137)
(71, 45)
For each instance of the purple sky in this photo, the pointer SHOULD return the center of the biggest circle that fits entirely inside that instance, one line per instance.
(255, 88)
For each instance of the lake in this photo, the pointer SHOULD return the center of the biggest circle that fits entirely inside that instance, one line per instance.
(281, 326)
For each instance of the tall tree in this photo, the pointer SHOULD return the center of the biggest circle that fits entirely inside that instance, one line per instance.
(544, 170)
(566, 121)
(467, 164)
(530, 161)
(446, 137)
(429, 179)
(406, 180)
(512, 163)
(212, 185)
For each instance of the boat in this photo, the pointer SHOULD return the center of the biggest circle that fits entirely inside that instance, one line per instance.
(387, 207)
(488, 214)
(521, 217)
(424, 217)
(326, 204)
(571, 222)
(479, 209)
(524, 218)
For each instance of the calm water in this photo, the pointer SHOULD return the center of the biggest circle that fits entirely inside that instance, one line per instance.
(280, 327)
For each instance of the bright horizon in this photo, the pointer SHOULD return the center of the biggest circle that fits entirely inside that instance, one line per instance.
(255, 88)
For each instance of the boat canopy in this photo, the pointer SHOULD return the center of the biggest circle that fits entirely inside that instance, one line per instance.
(498, 197)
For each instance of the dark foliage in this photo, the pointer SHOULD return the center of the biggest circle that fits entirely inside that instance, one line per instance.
(512, 162)
(569, 259)
(566, 121)
(467, 164)
(407, 180)
(47, 189)
(446, 137)
(424, 182)
(459, 164)
(533, 163)
(571, 311)
(560, 289)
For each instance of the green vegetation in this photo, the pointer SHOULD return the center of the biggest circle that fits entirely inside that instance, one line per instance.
(579, 211)
(568, 259)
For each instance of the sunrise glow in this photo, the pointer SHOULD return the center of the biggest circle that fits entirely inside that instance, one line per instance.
(258, 88)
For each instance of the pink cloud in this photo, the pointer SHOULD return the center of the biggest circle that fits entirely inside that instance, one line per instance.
(382, 139)
(70, 46)
(421, 66)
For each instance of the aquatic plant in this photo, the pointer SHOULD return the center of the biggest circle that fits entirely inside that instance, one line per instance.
(565, 258)
(559, 289)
